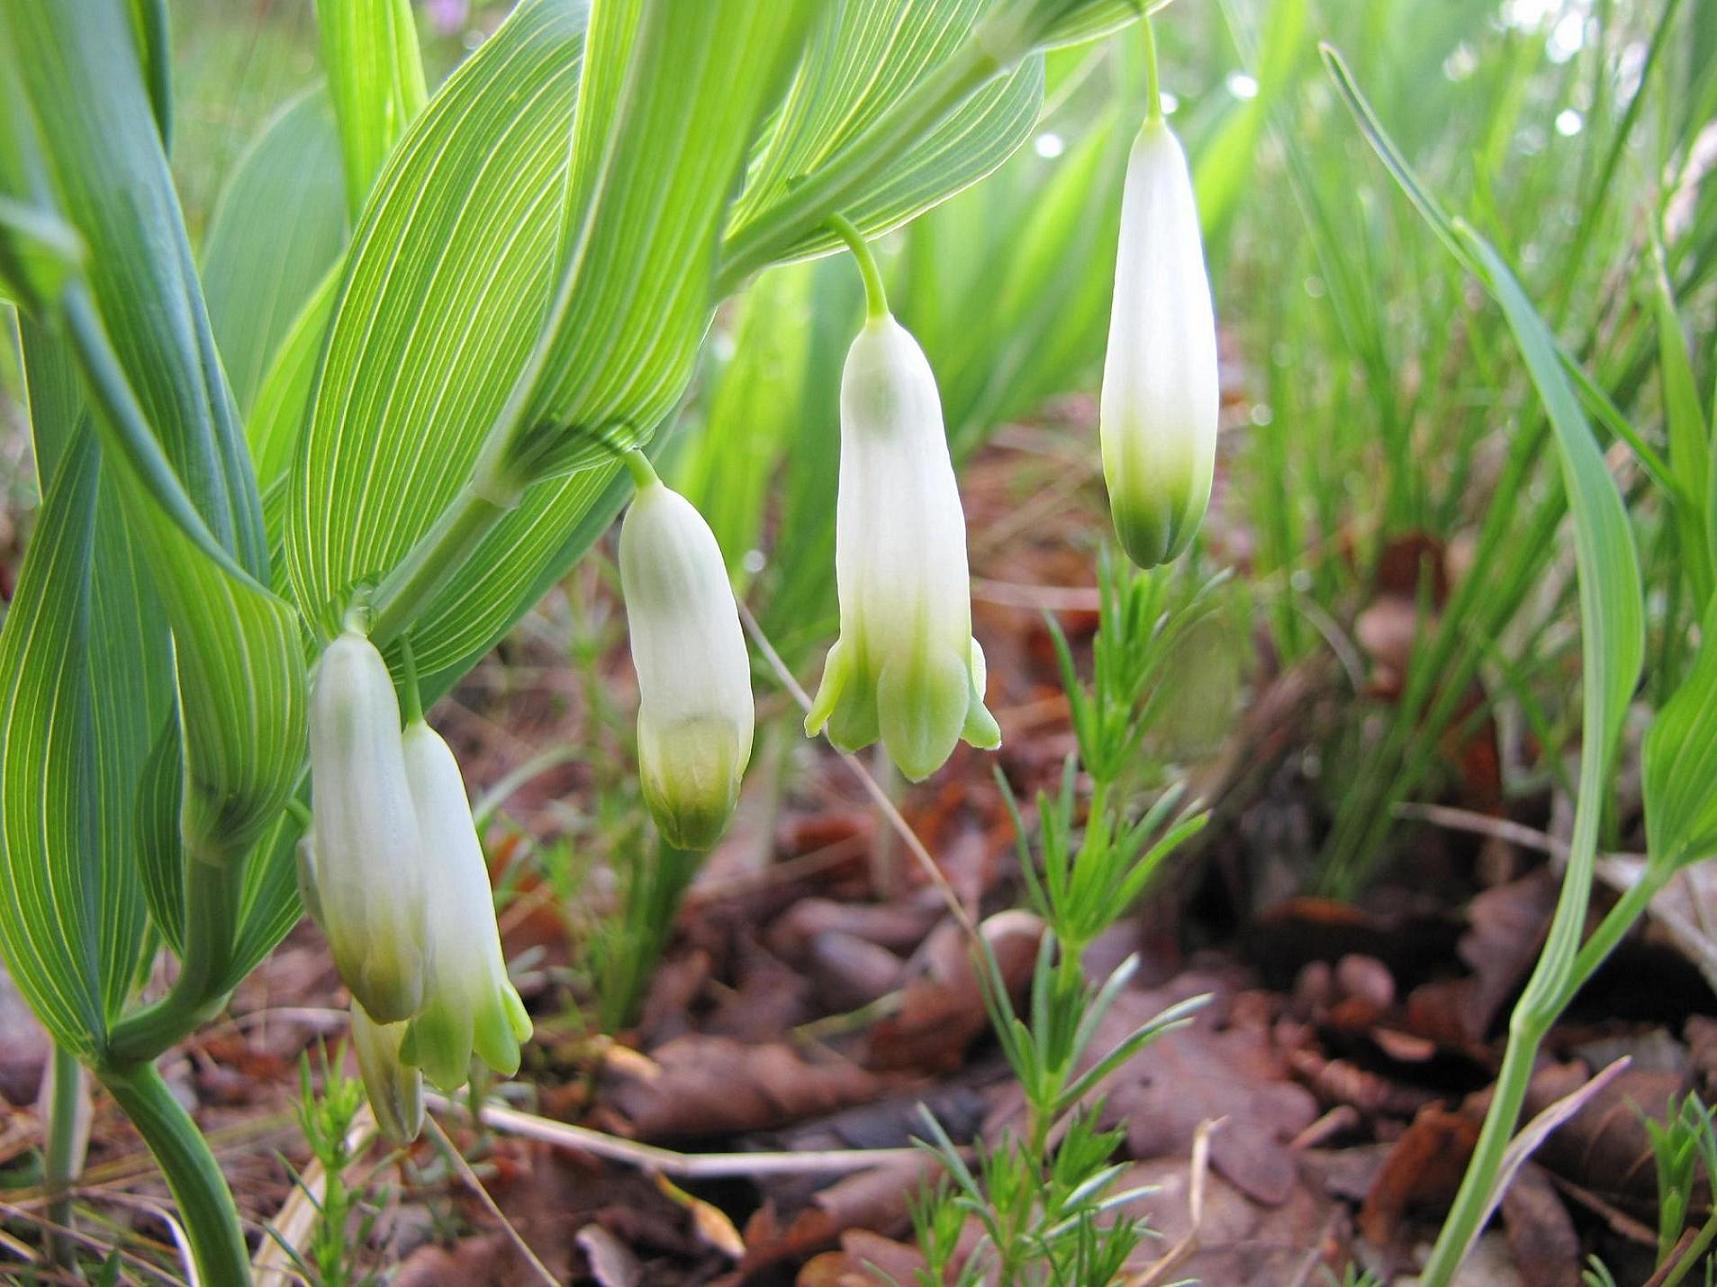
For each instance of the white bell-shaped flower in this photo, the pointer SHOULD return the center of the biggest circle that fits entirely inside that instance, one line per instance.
(395, 1089)
(695, 710)
(906, 667)
(361, 863)
(1157, 417)
(469, 1003)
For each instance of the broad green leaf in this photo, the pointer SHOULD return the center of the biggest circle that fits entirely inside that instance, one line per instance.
(375, 77)
(123, 676)
(136, 323)
(279, 225)
(895, 108)
(676, 82)
(1679, 764)
(443, 332)
(81, 667)
(48, 910)
(447, 280)
(282, 399)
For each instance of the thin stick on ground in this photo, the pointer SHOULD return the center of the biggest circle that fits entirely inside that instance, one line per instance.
(652, 1157)
(884, 805)
(489, 1204)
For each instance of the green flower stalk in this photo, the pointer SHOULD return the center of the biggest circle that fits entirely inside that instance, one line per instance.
(695, 710)
(395, 1089)
(1157, 417)
(361, 864)
(469, 1004)
(906, 668)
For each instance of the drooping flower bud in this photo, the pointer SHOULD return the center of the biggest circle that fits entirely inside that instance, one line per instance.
(394, 1088)
(1157, 418)
(362, 858)
(906, 667)
(469, 1003)
(695, 711)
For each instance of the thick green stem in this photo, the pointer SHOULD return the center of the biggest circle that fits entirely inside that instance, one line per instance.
(413, 694)
(1472, 1203)
(642, 471)
(62, 1158)
(432, 562)
(205, 1203)
(212, 893)
(875, 299)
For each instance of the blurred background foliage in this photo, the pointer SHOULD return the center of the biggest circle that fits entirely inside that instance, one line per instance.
(1384, 494)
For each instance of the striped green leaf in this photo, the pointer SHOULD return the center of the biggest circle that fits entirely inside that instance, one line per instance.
(277, 418)
(840, 144)
(86, 681)
(665, 124)
(135, 320)
(278, 226)
(49, 909)
(375, 78)
(446, 284)
(445, 335)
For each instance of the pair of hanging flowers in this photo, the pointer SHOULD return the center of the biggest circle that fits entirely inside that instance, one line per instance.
(906, 669)
(393, 872)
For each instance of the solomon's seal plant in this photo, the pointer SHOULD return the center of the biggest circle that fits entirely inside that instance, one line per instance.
(906, 668)
(436, 426)
(695, 711)
(1157, 417)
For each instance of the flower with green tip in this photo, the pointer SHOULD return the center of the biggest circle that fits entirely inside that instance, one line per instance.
(395, 1089)
(695, 710)
(906, 668)
(1157, 416)
(469, 1003)
(360, 867)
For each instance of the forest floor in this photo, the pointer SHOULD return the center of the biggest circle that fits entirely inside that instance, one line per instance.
(816, 991)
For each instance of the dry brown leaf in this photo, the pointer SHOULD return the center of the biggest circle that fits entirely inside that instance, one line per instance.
(1422, 1170)
(1192, 1076)
(706, 1085)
